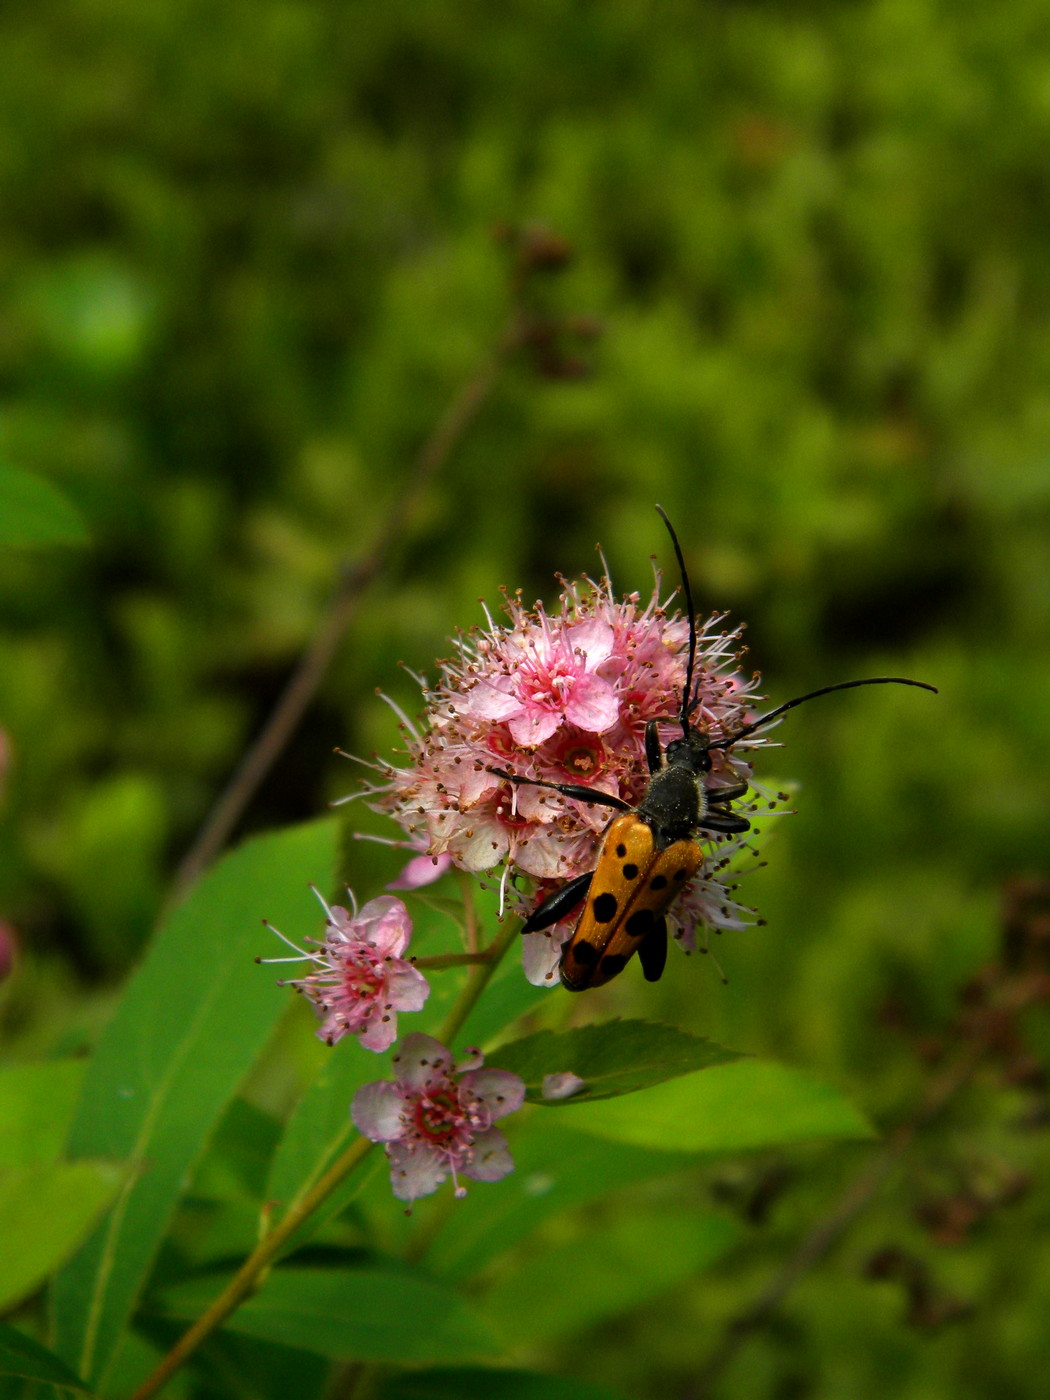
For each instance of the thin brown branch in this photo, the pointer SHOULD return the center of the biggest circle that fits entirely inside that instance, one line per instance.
(305, 680)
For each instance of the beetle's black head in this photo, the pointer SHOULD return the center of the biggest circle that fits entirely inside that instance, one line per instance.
(692, 751)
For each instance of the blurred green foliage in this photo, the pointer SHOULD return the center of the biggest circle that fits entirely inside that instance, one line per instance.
(246, 261)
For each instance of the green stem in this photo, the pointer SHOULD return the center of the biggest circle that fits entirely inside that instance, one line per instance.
(477, 981)
(440, 960)
(249, 1277)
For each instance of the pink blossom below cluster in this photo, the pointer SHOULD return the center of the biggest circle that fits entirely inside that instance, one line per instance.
(566, 698)
(436, 1120)
(361, 980)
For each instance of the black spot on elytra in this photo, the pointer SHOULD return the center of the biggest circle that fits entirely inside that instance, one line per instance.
(613, 964)
(604, 908)
(621, 850)
(681, 874)
(630, 872)
(658, 882)
(640, 922)
(584, 953)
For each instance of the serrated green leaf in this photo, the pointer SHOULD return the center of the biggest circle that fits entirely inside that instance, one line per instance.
(34, 512)
(46, 1210)
(729, 1108)
(612, 1058)
(604, 1272)
(189, 1025)
(554, 1170)
(37, 1101)
(476, 1383)
(366, 1314)
(23, 1357)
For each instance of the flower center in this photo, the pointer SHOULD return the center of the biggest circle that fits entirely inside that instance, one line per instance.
(439, 1115)
(547, 685)
(362, 977)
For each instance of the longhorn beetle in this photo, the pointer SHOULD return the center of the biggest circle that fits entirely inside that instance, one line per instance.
(651, 851)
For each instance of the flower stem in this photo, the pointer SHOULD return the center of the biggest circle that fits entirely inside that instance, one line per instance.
(453, 960)
(250, 1276)
(478, 979)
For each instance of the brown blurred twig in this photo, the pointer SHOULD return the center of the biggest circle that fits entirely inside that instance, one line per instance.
(304, 681)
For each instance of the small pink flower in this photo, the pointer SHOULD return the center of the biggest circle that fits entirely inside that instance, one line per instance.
(436, 1121)
(361, 981)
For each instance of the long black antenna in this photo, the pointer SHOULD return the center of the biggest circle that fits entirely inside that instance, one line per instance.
(687, 692)
(812, 695)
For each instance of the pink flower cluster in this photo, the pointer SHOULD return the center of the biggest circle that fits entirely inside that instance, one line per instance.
(565, 698)
(361, 981)
(437, 1120)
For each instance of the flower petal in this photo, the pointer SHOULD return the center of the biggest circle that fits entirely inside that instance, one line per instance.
(501, 1091)
(421, 870)
(540, 956)
(533, 725)
(385, 924)
(491, 1161)
(376, 1111)
(421, 1061)
(415, 1170)
(406, 987)
(592, 705)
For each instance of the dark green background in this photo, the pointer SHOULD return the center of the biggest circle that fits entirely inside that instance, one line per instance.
(247, 259)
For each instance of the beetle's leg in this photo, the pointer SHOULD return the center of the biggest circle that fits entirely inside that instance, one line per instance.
(652, 951)
(558, 904)
(727, 823)
(574, 790)
(721, 795)
(654, 755)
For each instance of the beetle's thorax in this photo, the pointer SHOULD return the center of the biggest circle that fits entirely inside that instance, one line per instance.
(675, 800)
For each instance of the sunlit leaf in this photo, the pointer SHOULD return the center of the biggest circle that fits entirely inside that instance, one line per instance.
(729, 1108)
(612, 1058)
(46, 1210)
(37, 1101)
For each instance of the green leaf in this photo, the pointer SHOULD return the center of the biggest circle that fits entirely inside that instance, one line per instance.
(23, 1357)
(729, 1108)
(45, 1213)
(555, 1169)
(366, 1314)
(190, 1023)
(612, 1058)
(632, 1258)
(475, 1383)
(37, 1101)
(35, 512)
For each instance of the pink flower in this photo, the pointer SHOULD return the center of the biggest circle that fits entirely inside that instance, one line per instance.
(437, 1121)
(361, 981)
(566, 699)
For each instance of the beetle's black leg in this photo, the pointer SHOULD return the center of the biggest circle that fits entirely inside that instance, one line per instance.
(558, 904)
(727, 823)
(653, 753)
(574, 790)
(721, 795)
(652, 951)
